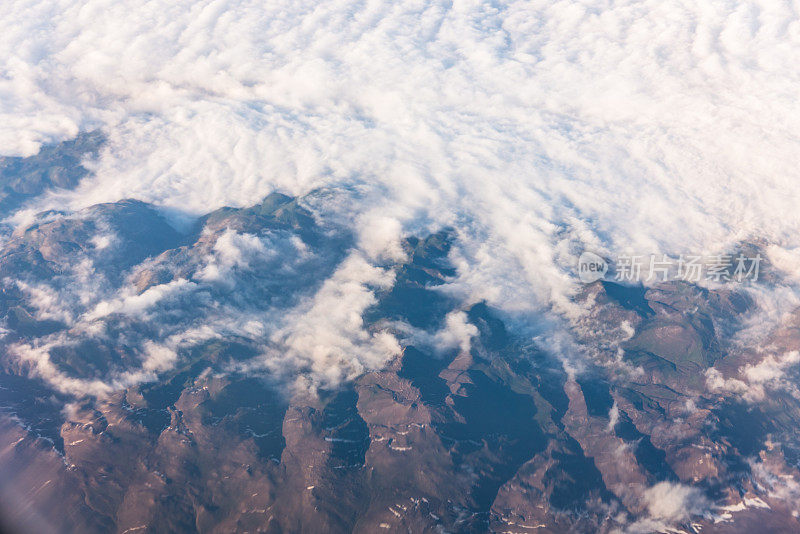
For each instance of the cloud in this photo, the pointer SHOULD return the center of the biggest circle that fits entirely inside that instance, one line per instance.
(754, 380)
(38, 358)
(665, 505)
(326, 335)
(226, 286)
(613, 417)
(158, 357)
(155, 357)
(232, 250)
(674, 502)
(779, 481)
(771, 368)
(655, 126)
(457, 333)
(46, 301)
(380, 237)
(137, 304)
(102, 241)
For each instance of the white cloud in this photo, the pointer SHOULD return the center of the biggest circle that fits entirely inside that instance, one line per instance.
(780, 483)
(38, 358)
(380, 236)
(534, 127)
(613, 417)
(771, 368)
(650, 124)
(46, 301)
(158, 357)
(326, 336)
(457, 332)
(103, 241)
(674, 502)
(132, 303)
(231, 250)
(754, 380)
(665, 505)
(155, 357)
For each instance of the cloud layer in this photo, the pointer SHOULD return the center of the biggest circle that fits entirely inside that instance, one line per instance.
(642, 126)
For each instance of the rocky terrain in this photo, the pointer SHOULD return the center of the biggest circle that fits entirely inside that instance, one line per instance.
(55, 166)
(157, 380)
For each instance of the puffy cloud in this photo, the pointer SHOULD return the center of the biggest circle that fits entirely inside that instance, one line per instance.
(536, 128)
(137, 304)
(753, 380)
(716, 382)
(278, 293)
(380, 237)
(46, 301)
(103, 241)
(231, 250)
(326, 335)
(674, 502)
(642, 124)
(771, 368)
(781, 482)
(155, 357)
(665, 505)
(158, 357)
(457, 332)
(38, 358)
(613, 417)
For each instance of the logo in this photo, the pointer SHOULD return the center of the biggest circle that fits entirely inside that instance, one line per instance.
(591, 267)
